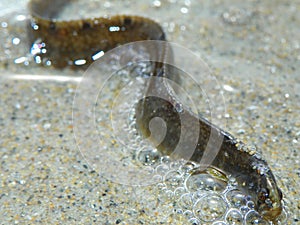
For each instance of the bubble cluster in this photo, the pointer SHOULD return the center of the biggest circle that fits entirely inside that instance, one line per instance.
(206, 198)
(210, 208)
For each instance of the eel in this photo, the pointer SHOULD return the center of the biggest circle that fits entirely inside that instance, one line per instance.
(62, 43)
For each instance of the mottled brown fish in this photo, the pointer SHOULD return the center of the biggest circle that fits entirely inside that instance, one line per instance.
(63, 43)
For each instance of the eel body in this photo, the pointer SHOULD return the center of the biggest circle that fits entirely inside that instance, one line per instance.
(63, 43)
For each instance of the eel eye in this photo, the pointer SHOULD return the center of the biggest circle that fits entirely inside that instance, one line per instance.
(262, 195)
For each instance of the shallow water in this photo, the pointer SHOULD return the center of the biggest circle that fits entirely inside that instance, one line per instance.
(45, 179)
